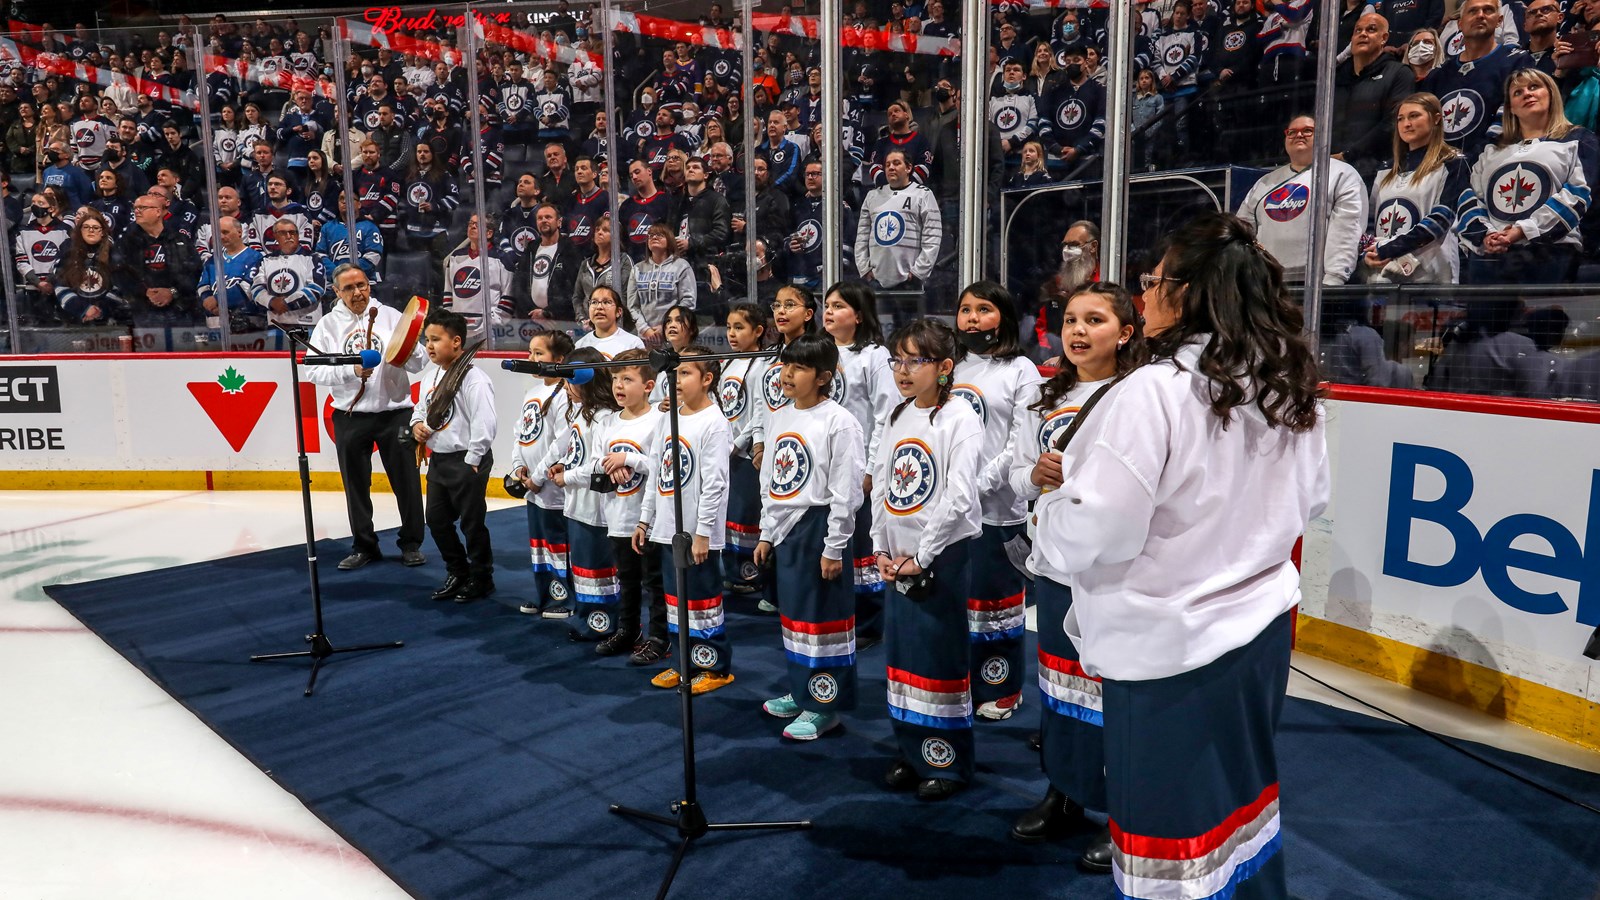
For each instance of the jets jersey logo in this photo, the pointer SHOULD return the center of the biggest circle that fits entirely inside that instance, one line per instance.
(92, 284)
(283, 282)
(522, 238)
(466, 282)
(704, 656)
(1061, 58)
(1174, 54)
(229, 146)
(645, 129)
(356, 341)
(339, 250)
(513, 102)
(541, 266)
(810, 232)
(938, 752)
(1007, 118)
(577, 449)
(577, 228)
(670, 472)
(721, 68)
(1287, 202)
(912, 478)
(1516, 189)
(1454, 46)
(1071, 113)
(974, 398)
(838, 388)
(1052, 425)
(772, 388)
(155, 257)
(427, 400)
(888, 228)
(995, 670)
(1234, 41)
(791, 466)
(823, 688)
(314, 200)
(372, 120)
(631, 486)
(550, 108)
(419, 192)
(1395, 217)
(45, 251)
(531, 426)
(1463, 110)
(638, 224)
(730, 396)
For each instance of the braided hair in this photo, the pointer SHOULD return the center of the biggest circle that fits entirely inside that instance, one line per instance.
(931, 338)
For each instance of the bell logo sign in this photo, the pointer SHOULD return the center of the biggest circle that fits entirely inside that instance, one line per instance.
(1490, 552)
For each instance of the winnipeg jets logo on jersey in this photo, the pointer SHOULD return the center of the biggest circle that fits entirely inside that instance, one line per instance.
(631, 486)
(522, 238)
(645, 128)
(974, 398)
(888, 228)
(1454, 46)
(92, 283)
(772, 388)
(1007, 118)
(467, 282)
(46, 251)
(1463, 108)
(912, 478)
(838, 388)
(550, 108)
(670, 471)
(339, 250)
(1233, 41)
(229, 146)
(314, 200)
(1174, 54)
(283, 282)
(1516, 189)
(1395, 217)
(577, 450)
(514, 102)
(1287, 202)
(419, 192)
(1071, 113)
(531, 426)
(722, 68)
(372, 120)
(791, 466)
(1053, 425)
(730, 396)
(810, 232)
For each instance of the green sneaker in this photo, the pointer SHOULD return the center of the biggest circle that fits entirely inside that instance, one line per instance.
(767, 606)
(784, 707)
(810, 726)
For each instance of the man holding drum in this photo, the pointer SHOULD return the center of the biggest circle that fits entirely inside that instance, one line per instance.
(373, 405)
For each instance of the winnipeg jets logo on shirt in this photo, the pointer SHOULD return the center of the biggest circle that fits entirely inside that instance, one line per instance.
(912, 478)
(283, 282)
(1174, 54)
(356, 341)
(838, 388)
(44, 251)
(531, 426)
(522, 238)
(791, 466)
(670, 472)
(513, 102)
(1071, 113)
(1287, 202)
(1233, 41)
(1007, 118)
(419, 193)
(339, 250)
(631, 486)
(1395, 217)
(1516, 189)
(229, 146)
(467, 282)
(645, 129)
(550, 108)
(974, 398)
(92, 283)
(730, 396)
(1462, 110)
(541, 266)
(810, 232)
(1053, 425)
(772, 388)
(577, 450)
(1454, 46)
(888, 228)
(721, 68)
(314, 200)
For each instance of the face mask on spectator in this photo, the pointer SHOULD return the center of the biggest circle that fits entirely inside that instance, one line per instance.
(1074, 71)
(1013, 85)
(940, 95)
(647, 101)
(41, 212)
(1421, 53)
(1069, 30)
(583, 34)
(1070, 253)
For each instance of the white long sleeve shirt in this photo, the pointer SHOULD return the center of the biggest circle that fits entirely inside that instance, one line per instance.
(864, 386)
(471, 424)
(612, 344)
(1036, 433)
(577, 450)
(998, 390)
(544, 412)
(699, 469)
(343, 332)
(925, 490)
(1279, 206)
(739, 395)
(814, 457)
(635, 438)
(1174, 533)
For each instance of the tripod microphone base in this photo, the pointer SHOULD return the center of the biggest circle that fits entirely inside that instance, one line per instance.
(321, 649)
(690, 823)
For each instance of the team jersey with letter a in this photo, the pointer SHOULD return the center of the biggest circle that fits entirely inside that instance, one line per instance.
(998, 391)
(925, 489)
(481, 300)
(544, 412)
(864, 386)
(1278, 206)
(577, 450)
(1471, 95)
(890, 239)
(743, 404)
(699, 468)
(612, 344)
(814, 458)
(1419, 216)
(1538, 186)
(635, 438)
(1037, 431)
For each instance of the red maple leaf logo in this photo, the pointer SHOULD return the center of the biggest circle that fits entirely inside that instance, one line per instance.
(234, 404)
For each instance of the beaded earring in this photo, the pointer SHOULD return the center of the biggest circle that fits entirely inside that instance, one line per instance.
(944, 380)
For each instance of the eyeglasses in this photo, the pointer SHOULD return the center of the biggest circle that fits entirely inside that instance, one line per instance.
(787, 306)
(1299, 132)
(137, 207)
(1148, 281)
(599, 302)
(909, 363)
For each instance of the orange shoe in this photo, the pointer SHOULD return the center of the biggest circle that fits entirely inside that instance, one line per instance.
(706, 682)
(667, 679)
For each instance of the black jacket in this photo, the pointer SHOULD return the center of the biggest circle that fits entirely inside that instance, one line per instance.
(1364, 107)
(707, 225)
(164, 261)
(563, 276)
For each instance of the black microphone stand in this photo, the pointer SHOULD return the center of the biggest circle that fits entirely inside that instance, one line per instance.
(321, 647)
(688, 819)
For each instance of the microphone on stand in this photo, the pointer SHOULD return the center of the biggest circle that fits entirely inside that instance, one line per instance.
(573, 373)
(368, 359)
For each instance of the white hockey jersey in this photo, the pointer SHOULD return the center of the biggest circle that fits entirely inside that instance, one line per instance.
(898, 233)
(814, 458)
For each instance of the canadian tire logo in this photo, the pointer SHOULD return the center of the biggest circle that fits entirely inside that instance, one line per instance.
(234, 404)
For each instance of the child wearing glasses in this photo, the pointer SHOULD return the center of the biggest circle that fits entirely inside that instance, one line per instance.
(925, 516)
(612, 323)
(749, 328)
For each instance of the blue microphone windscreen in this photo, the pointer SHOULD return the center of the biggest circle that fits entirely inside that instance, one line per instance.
(582, 376)
(370, 359)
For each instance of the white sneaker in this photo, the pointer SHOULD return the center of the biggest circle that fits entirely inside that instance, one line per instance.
(999, 710)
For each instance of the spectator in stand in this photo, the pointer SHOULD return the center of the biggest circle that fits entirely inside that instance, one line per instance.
(707, 223)
(663, 140)
(111, 201)
(50, 132)
(517, 227)
(254, 129)
(1406, 17)
(1072, 117)
(254, 188)
(159, 269)
(547, 271)
(897, 237)
(21, 141)
(1542, 20)
(493, 149)
(226, 151)
(661, 280)
(557, 185)
(553, 105)
(62, 172)
(1530, 192)
(781, 154)
(182, 216)
(440, 133)
(321, 186)
(1414, 202)
(428, 195)
(902, 134)
(596, 269)
(290, 282)
(1147, 105)
(478, 287)
(1285, 38)
(1235, 55)
(804, 258)
(1276, 208)
(594, 146)
(1471, 86)
(589, 202)
(390, 136)
(1367, 89)
(1422, 54)
(240, 263)
(40, 244)
(377, 191)
(725, 179)
(1013, 112)
(176, 154)
(300, 129)
(87, 288)
(647, 206)
(280, 206)
(228, 204)
(774, 213)
(333, 243)
(1178, 54)
(1033, 172)
(90, 131)
(1078, 267)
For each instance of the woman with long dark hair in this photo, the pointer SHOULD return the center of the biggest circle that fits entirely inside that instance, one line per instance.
(1183, 493)
(87, 290)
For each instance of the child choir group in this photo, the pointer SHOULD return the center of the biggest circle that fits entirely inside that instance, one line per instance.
(869, 489)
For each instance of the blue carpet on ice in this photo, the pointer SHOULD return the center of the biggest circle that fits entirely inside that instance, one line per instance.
(478, 762)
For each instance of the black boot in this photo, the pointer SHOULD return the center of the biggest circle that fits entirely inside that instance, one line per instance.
(452, 587)
(1097, 858)
(1051, 819)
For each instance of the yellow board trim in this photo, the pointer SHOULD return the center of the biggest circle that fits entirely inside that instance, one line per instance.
(1507, 697)
(193, 480)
